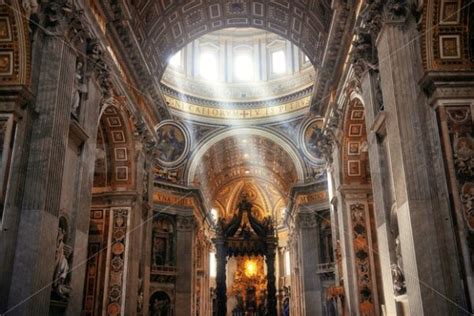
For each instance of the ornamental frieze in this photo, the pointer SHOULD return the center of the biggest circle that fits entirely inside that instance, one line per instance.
(169, 199)
(461, 134)
(117, 248)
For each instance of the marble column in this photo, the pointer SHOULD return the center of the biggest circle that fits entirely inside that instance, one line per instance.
(310, 283)
(221, 290)
(271, 280)
(360, 262)
(184, 265)
(38, 228)
(432, 275)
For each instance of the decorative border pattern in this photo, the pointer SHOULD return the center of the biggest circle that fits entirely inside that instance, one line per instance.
(362, 258)
(355, 159)
(115, 281)
(15, 61)
(461, 148)
(446, 36)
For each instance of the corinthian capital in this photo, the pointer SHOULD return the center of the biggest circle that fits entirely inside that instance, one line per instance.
(396, 10)
(55, 15)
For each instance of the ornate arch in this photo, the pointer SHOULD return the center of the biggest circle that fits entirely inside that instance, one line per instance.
(354, 153)
(15, 56)
(201, 150)
(115, 153)
(447, 35)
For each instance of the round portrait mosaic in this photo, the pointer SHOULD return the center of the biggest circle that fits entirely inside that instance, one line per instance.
(310, 136)
(172, 143)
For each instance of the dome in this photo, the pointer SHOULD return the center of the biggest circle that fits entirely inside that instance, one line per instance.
(239, 73)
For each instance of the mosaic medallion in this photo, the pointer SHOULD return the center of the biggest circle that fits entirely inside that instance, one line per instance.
(311, 133)
(172, 143)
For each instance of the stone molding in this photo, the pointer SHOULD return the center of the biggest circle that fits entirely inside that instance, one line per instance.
(307, 220)
(185, 223)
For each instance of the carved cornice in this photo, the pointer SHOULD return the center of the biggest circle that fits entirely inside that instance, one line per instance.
(114, 198)
(128, 44)
(97, 64)
(307, 220)
(185, 223)
(448, 85)
(364, 53)
(334, 54)
(56, 15)
(18, 97)
(356, 192)
(396, 11)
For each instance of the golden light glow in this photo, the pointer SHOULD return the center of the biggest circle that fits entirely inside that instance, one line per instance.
(250, 268)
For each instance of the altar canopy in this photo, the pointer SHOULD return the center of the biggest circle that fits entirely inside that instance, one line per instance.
(246, 235)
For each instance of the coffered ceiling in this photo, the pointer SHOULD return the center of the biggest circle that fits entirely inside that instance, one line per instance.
(249, 157)
(162, 27)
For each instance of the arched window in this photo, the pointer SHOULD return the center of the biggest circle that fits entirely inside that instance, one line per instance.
(212, 265)
(244, 67)
(175, 60)
(287, 263)
(326, 254)
(278, 62)
(160, 304)
(208, 65)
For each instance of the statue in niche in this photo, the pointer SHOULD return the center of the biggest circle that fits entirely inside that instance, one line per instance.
(159, 251)
(61, 288)
(399, 285)
(140, 296)
(79, 88)
(162, 243)
(160, 304)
